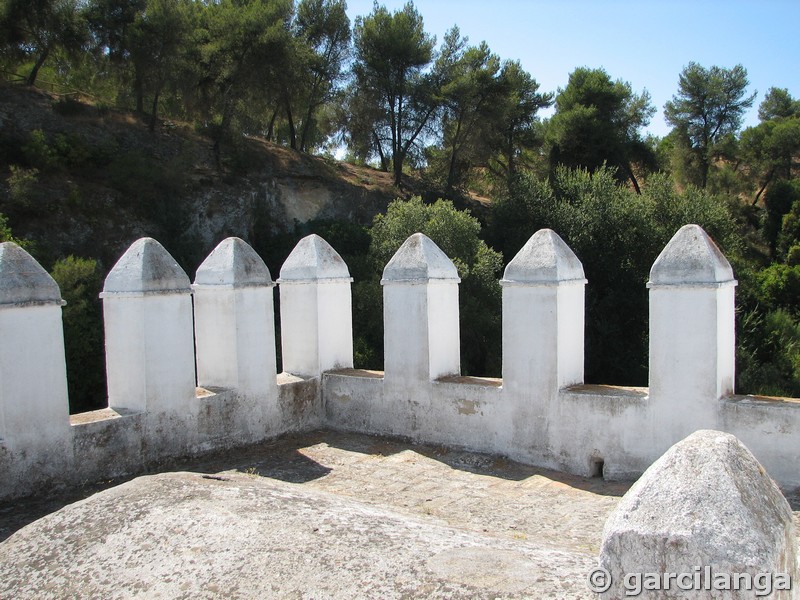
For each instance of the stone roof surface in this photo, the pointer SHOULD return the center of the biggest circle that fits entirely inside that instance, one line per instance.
(419, 259)
(233, 263)
(313, 259)
(22, 279)
(544, 258)
(316, 515)
(691, 257)
(146, 267)
(323, 515)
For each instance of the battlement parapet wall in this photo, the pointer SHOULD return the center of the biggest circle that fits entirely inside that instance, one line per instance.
(192, 366)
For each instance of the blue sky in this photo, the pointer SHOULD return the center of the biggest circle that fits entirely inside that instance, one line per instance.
(645, 42)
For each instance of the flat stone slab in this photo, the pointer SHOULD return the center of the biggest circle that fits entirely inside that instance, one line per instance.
(187, 535)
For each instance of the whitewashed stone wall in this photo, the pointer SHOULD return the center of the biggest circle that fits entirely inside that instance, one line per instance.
(35, 444)
(316, 309)
(192, 368)
(541, 412)
(163, 400)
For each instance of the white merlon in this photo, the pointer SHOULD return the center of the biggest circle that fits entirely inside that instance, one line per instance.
(234, 323)
(34, 407)
(316, 309)
(147, 311)
(543, 318)
(420, 311)
(543, 333)
(692, 335)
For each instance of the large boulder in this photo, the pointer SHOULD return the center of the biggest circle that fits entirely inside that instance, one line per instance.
(705, 511)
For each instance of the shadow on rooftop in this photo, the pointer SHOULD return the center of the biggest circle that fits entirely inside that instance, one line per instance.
(284, 459)
(280, 459)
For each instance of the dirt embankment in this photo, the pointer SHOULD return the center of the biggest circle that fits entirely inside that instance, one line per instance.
(88, 180)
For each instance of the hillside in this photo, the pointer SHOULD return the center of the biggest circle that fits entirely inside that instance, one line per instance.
(88, 180)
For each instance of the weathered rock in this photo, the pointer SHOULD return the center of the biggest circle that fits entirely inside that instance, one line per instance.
(706, 502)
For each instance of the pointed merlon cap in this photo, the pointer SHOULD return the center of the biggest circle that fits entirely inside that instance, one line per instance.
(313, 259)
(691, 258)
(23, 280)
(146, 268)
(545, 258)
(419, 259)
(233, 263)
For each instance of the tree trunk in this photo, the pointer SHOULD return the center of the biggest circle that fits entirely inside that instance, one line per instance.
(511, 167)
(38, 65)
(223, 128)
(271, 127)
(307, 123)
(632, 177)
(379, 148)
(292, 131)
(764, 187)
(704, 168)
(306, 127)
(154, 115)
(138, 89)
(397, 164)
(451, 172)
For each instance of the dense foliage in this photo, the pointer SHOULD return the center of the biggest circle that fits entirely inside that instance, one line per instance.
(80, 281)
(454, 116)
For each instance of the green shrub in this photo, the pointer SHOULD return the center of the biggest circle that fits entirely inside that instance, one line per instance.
(768, 357)
(37, 151)
(22, 186)
(71, 151)
(7, 236)
(80, 281)
(779, 286)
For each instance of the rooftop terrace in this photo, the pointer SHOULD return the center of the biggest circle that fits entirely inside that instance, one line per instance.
(319, 515)
(191, 371)
(362, 515)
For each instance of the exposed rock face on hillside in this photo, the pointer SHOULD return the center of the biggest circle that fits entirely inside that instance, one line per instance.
(102, 180)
